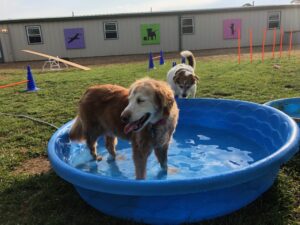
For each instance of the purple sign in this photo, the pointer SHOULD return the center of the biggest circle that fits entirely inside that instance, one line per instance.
(74, 38)
(231, 27)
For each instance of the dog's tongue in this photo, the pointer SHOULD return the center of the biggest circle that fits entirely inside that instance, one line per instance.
(129, 127)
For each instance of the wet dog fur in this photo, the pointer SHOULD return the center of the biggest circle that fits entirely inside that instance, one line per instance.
(146, 114)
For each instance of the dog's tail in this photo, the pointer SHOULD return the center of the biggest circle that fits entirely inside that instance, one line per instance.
(76, 132)
(190, 58)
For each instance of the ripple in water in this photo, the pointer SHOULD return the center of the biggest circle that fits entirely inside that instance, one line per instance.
(195, 152)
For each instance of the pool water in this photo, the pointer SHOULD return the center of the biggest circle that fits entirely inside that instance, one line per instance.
(290, 106)
(292, 109)
(195, 152)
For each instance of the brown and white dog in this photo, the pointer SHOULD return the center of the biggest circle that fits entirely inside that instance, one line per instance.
(146, 114)
(182, 78)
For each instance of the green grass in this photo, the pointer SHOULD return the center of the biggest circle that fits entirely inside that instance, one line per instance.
(47, 199)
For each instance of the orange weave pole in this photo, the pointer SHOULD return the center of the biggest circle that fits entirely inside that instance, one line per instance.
(239, 46)
(263, 46)
(13, 84)
(291, 43)
(281, 40)
(274, 43)
(251, 44)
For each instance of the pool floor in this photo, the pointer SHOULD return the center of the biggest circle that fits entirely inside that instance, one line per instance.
(194, 152)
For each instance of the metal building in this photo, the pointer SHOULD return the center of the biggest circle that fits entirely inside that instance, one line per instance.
(138, 33)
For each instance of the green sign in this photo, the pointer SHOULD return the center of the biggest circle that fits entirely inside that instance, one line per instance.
(150, 34)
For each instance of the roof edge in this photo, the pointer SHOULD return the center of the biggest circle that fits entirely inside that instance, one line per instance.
(148, 14)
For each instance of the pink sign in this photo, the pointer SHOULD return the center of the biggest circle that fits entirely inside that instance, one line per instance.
(231, 27)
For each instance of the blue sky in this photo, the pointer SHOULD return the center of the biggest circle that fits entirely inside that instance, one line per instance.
(13, 9)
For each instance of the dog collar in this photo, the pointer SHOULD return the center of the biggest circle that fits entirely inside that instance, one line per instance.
(154, 126)
(160, 122)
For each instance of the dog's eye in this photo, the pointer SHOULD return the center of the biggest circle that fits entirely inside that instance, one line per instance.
(139, 100)
(181, 86)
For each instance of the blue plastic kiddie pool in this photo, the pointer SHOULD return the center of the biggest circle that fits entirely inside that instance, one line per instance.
(290, 106)
(224, 154)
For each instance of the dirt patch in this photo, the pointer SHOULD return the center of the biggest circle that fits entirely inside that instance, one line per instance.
(203, 55)
(33, 166)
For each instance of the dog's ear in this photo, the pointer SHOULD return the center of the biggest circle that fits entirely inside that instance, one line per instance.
(194, 77)
(178, 74)
(176, 78)
(165, 99)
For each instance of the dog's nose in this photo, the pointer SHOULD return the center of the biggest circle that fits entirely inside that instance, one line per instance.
(125, 118)
(184, 95)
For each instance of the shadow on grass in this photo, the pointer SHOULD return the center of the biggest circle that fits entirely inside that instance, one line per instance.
(47, 199)
(293, 166)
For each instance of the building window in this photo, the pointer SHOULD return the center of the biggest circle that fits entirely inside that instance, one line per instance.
(187, 25)
(274, 20)
(3, 29)
(34, 34)
(110, 30)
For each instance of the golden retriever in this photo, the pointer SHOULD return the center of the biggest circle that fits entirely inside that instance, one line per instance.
(146, 114)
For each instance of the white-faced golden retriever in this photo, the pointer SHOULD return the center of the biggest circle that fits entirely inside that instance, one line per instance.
(146, 114)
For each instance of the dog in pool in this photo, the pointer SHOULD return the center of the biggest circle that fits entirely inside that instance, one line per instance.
(146, 114)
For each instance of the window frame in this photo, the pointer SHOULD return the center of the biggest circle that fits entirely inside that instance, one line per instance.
(182, 26)
(277, 20)
(105, 31)
(40, 34)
